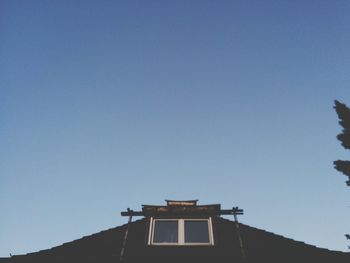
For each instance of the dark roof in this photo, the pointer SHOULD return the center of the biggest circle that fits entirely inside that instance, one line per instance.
(259, 245)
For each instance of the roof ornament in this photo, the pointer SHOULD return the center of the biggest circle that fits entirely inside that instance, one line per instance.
(181, 203)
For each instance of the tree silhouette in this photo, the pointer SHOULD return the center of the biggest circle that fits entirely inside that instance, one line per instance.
(344, 137)
(344, 120)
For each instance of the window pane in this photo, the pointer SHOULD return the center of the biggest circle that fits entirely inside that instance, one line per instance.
(165, 231)
(196, 231)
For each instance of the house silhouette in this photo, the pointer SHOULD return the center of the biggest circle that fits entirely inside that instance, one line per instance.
(183, 231)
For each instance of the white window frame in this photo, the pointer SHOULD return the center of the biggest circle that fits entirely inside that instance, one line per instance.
(181, 232)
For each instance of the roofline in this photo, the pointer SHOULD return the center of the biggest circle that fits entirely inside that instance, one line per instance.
(145, 213)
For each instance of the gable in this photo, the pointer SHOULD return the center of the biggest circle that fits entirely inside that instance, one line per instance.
(259, 245)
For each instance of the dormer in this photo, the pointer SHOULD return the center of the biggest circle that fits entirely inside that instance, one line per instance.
(181, 223)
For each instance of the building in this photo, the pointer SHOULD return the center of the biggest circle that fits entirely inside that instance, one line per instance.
(183, 231)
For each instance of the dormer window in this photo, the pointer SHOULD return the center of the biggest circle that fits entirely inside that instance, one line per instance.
(181, 232)
(197, 231)
(165, 232)
(180, 223)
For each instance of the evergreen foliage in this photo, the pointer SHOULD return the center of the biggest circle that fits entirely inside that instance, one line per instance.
(344, 137)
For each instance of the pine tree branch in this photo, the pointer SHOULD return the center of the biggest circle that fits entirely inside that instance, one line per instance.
(344, 120)
(343, 167)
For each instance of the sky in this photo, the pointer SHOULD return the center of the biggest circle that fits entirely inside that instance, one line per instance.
(106, 105)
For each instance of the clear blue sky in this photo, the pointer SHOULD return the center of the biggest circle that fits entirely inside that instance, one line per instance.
(106, 105)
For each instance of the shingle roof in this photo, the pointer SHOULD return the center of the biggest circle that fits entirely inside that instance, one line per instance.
(259, 245)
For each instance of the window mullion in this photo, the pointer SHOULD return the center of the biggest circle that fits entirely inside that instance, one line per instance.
(181, 232)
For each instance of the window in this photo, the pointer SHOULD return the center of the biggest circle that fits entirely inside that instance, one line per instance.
(165, 231)
(181, 232)
(196, 231)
